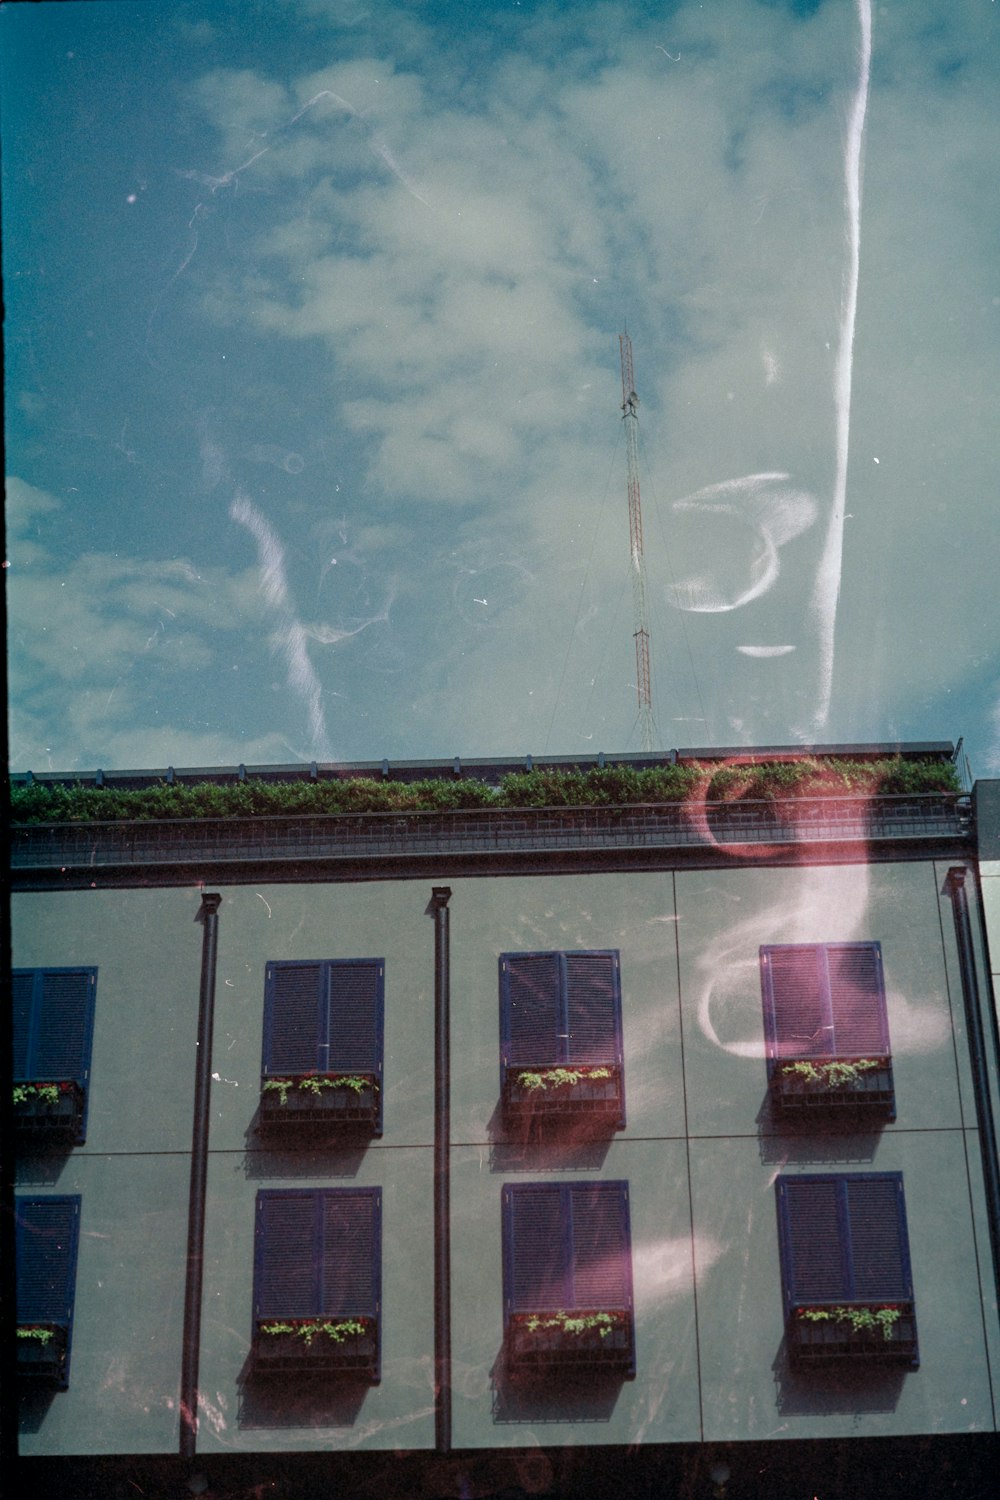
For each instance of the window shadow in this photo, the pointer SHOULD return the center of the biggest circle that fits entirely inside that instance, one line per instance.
(556, 1396)
(856, 1388)
(847, 1137)
(264, 1162)
(306, 1400)
(33, 1407)
(41, 1165)
(534, 1144)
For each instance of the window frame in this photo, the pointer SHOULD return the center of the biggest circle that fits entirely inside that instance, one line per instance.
(793, 1089)
(50, 1364)
(551, 1350)
(324, 1109)
(854, 1239)
(320, 1356)
(601, 1100)
(66, 1120)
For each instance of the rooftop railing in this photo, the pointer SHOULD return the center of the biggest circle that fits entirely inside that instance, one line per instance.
(62, 847)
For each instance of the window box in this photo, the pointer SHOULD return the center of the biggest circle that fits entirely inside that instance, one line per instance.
(43, 1352)
(323, 1043)
(320, 1346)
(814, 1085)
(556, 1092)
(828, 1333)
(567, 1278)
(826, 1029)
(561, 1054)
(49, 1111)
(546, 1341)
(320, 1100)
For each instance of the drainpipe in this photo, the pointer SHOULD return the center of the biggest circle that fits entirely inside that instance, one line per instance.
(191, 1348)
(977, 1056)
(440, 896)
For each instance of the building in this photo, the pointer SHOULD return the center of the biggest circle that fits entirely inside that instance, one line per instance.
(500, 1150)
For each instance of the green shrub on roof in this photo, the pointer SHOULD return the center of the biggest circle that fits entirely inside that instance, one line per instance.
(608, 786)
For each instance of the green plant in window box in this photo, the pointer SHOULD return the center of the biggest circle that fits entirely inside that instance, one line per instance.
(861, 1319)
(315, 1083)
(309, 1329)
(834, 1075)
(46, 1093)
(43, 1336)
(575, 1323)
(559, 1077)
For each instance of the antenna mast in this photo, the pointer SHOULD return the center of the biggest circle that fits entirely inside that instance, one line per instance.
(630, 416)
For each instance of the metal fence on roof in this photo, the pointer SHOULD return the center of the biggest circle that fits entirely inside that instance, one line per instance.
(220, 841)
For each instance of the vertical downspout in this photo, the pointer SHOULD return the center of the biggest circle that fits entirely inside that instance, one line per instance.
(440, 896)
(191, 1348)
(977, 1057)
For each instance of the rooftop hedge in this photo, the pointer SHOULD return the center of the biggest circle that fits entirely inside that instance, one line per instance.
(46, 802)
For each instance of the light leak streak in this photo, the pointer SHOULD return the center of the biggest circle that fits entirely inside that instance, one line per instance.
(290, 636)
(826, 591)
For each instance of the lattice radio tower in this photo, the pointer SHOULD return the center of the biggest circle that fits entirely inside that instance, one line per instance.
(630, 416)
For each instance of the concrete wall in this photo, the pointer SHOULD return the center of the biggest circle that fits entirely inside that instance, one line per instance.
(700, 1153)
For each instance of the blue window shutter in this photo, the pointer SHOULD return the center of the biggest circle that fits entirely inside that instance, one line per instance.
(536, 1248)
(593, 1007)
(532, 1012)
(318, 1252)
(287, 1255)
(46, 1240)
(824, 1000)
(295, 1004)
(857, 999)
(843, 1238)
(796, 1016)
(601, 1259)
(876, 1221)
(350, 1266)
(354, 1036)
(53, 1023)
(566, 1246)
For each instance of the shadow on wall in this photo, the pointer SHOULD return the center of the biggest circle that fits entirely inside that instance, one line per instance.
(301, 1400)
(837, 1143)
(860, 1390)
(311, 1158)
(590, 1396)
(34, 1408)
(535, 1145)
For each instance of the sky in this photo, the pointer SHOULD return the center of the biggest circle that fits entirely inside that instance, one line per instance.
(313, 397)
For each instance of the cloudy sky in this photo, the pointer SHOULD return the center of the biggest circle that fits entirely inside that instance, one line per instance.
(313, 395)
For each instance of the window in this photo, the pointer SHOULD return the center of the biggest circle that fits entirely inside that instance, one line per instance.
(826, 1028)
(567, 1276)
(845, 1267)
(561, 1035)
(53, 1035)
(318, 1281)
(46, 1237)
(322, 1063)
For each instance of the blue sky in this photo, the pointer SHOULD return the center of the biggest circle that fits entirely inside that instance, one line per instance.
(313, 422)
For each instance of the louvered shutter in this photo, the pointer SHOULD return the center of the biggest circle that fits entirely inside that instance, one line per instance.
(350, 1273)
(600, 1256)
(295, 1004)
(812, 1249)
(532, 1015)
(857, 999)
(355, 1017)
(796, 1019)
(22, 999)
(536, 1248)
(288, 1254)
(843, 1238)
(876, 1220)
(53, 1023)
(593, 1007)
(46, 1241)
